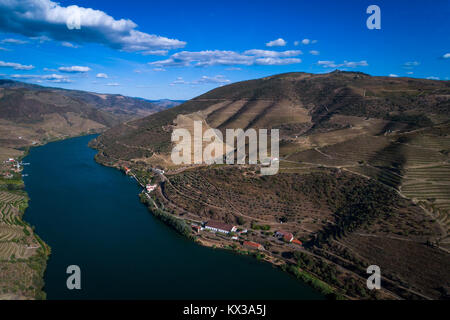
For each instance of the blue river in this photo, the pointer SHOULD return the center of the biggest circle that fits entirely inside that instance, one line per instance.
(90, 215)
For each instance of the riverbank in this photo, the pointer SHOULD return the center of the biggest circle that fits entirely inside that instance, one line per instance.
(23, 270)
(182, 226)
(89, 215)
(23, 254)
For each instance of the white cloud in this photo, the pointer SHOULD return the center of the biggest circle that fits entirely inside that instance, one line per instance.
(432, 78)
(49, 69)
(34, 18)
(314, 41)
(393, 75)
(13, 41)
(410, 72)
(446, 56)
(233, 69)
(159, 69)
(229, 58)
(102, 75)
(411, 64)
(15, 66)
(57, 78)
(155, 53)
(68, 44)
(218, 79)
(276, 43)
(346, 64)
(112, 84)
(296, 43)
(74, 69)
(4, 49)
(314, 52)
(272, 54)
(306, 41)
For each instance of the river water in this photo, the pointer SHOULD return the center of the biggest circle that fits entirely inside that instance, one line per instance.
(91, 216)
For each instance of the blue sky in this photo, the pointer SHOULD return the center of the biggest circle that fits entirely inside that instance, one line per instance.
(180, 49)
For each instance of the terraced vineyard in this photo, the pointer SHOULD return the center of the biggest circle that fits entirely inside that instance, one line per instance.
(22, 256)
(15, 239)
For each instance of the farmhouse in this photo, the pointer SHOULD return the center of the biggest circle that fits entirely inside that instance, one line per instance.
(253, 245)
(150, 187)
(217, 226)
(286, 236)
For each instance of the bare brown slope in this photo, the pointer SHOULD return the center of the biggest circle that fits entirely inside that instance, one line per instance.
(294, 102)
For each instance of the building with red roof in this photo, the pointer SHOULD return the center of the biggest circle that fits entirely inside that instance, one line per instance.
(217, 226)
(253, 245)
(286, 236)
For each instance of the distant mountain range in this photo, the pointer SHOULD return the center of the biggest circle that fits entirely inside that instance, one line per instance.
(31, 114)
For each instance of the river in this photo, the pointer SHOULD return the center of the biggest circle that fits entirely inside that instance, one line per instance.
(91, 216)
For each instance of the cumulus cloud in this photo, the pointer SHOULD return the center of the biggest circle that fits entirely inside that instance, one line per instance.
(13, 41)
(393, 75)
(314, 52)
(218, 79)
(410, 72)
(102, 75)
(276, 43)
(15, 66)
(446, 56)
(57, 78)
(155, 53)
(305, 41)
(272, 54)
(74, 69)
(68, 44)
(229, 58)
(345, 64)
(411, 64)
(34, 18)
(433, 78)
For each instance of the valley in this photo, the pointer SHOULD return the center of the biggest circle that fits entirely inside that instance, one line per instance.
(363, 178)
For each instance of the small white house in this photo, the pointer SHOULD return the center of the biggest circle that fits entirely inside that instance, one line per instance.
(151, 187)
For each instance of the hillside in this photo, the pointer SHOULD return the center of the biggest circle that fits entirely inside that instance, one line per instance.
(123, 107)
(31, 114)
(363, 179)
(296, 103)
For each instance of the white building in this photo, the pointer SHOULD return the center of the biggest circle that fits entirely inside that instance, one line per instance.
(220, 227)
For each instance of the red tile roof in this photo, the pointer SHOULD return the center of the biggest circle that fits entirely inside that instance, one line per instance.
(220, 225)
(252, 244)
(296, 241)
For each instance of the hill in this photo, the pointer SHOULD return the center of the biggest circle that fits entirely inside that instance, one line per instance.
(364, 171)
(296, 103)
(31, 114)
